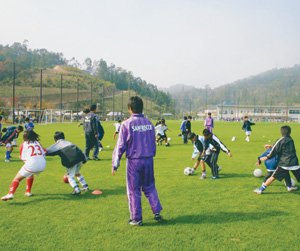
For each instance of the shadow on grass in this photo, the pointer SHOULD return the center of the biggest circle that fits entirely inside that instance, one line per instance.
(235, 175)
(39, 198)
(217, 218)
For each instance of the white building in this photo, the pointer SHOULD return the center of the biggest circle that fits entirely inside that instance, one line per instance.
(278, 113)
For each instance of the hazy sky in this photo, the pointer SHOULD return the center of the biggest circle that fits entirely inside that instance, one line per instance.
(164, 42)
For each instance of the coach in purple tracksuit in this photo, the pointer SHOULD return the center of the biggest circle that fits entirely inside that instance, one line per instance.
(137, 139)
(209, 122)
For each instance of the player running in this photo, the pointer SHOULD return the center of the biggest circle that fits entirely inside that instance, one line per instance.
(161, 135)
(247, 128)
(72, 158)
(33, 155)
(11, 134)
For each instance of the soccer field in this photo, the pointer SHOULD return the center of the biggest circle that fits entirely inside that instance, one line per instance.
(208, 214)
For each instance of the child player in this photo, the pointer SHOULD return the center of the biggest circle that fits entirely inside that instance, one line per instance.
(247, 128)
(28, 124)
(117, 126)
(198, 142)
(212, 143)
(203, 157)
(271, 165)
(72, 158)
(32, 153)
(161, 129)
(137, 139)
(285, 149)
(11, 133)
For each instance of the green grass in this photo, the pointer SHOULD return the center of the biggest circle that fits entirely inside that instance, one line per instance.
(199, 214)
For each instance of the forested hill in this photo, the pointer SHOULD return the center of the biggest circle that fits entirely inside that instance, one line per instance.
(274, 87)
(29, 62)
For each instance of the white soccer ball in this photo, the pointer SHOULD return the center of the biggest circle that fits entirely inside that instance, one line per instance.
(233, 138)
(188, 171)
(169, 139)
(257, 172)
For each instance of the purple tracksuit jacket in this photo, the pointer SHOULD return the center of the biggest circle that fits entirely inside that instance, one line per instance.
(137, 139)
(209, 123)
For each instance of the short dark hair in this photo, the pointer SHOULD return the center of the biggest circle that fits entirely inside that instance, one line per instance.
(119, 120)
(20, 128)
(285, 130)
(136, 104)
(93, 107)
(206, 132)
(27, 119)
(190, 117)
(1, 117)
(86, 110)
(185, 117)
(31, 136)
(245, 117)
(209, 113)
(191, 135)
(59, 135)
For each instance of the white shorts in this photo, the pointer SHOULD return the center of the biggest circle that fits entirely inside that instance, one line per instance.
(30, 169)
(8, 145)
(248, 133)
(73, 170)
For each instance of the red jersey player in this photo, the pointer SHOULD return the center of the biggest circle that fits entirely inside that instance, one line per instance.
(32, 153)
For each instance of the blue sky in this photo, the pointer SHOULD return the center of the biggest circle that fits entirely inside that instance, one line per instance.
(164, 42)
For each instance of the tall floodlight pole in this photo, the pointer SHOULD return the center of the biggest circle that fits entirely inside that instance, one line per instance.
(113, 108)
(14, 90)
(128, 90)
(122, 101)
(103, 110)
(77, 103)
(61, 99)
(41, 94)
(91, 93)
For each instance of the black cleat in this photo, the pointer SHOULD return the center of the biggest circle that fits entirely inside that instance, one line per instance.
(158, 217)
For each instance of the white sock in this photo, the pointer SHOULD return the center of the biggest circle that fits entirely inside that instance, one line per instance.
(82, 181)
(72, 182)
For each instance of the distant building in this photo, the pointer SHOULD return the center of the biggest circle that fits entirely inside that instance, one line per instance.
(277, 113)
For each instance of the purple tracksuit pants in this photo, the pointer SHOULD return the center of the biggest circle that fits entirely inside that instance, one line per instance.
(140, 177)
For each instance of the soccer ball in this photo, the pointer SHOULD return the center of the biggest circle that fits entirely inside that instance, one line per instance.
(65, 179)
(257, 172)
(188, 171)
(233, 138)
(169, 139)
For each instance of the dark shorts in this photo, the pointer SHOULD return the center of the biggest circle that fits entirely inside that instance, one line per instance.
(161, 136)
(281, 173)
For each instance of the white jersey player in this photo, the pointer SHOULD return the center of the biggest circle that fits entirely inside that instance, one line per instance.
(117, 126)
(33, 155)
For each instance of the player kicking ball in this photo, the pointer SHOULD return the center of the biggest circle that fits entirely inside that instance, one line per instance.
(32, 153)
(72, 158)
(285, 149)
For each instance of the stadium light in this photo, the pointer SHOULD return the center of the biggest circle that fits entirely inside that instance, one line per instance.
(14, 90)
(41, 95)
(61, 105)
(77, 104)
